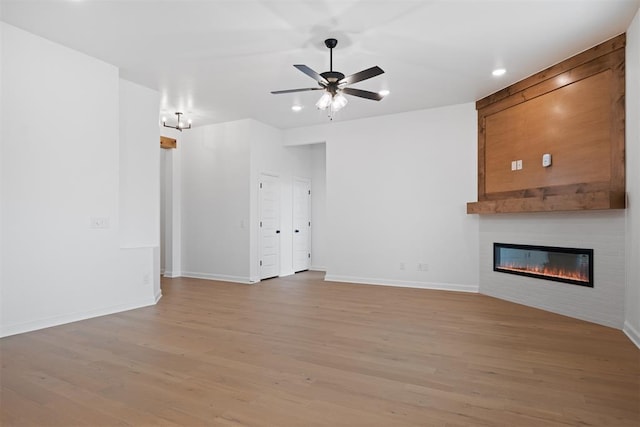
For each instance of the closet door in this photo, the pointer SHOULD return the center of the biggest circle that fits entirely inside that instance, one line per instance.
(301, 224)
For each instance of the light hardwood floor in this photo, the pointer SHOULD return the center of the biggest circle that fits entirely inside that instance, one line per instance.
(298, 351)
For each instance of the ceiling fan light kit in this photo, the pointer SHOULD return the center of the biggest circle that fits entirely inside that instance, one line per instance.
(333, 102)
(334, 84)
(180, 125)
(324, 101)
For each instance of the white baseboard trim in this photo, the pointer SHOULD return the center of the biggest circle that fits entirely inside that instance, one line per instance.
(632, 333)
(20, 328)
(402, 283)
(288, 273)
(219, 277)
(157, 296)
(318, 268)
(171, 274)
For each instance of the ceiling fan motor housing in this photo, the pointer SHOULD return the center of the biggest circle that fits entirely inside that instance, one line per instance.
(332, 76)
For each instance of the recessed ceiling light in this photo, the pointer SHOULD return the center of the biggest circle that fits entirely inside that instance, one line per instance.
(296, 108)
(384, 92)
(498, 72)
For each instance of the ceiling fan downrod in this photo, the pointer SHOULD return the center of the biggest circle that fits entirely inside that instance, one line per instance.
(331, 43)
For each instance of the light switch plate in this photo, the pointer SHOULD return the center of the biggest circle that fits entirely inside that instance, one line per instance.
(98, 222)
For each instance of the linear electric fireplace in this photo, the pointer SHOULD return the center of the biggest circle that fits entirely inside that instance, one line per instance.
(568, 265)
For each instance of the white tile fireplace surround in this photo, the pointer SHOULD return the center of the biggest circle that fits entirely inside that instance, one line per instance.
(604, 231)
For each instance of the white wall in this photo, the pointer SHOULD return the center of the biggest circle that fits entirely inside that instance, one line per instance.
(215, 201)
(60, 169)
(139, 186)
(319, 249)
(1, 163)
(632, 306)
(412, 221)
(397, 188)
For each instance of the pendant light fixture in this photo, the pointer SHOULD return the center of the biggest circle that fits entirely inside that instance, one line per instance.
(180, 126)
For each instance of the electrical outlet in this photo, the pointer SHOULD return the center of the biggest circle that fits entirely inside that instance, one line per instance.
(423, 267)
(402, 266)
(514, 165)
(146, 279)
(519, 164)
(98, 222)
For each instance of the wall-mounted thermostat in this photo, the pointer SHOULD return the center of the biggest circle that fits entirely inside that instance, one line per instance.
(546, 160)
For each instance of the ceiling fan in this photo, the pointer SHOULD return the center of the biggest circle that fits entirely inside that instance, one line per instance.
(334, 83)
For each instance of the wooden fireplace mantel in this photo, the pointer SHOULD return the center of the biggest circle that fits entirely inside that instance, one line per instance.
(594, 200)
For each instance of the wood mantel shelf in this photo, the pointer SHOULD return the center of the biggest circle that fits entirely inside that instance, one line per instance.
(596, 200)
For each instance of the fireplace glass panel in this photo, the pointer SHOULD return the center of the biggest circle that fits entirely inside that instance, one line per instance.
(568, 265)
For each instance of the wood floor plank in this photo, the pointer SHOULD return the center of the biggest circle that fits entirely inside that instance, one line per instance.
(299, 351)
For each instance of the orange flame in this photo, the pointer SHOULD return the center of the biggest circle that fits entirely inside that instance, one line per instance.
(579, 275)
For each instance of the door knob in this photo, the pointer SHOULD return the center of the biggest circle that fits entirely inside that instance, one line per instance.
(297, 231)
(277, 231)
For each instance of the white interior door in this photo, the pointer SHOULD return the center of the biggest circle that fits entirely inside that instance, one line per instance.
(269, 226)
(301, 224)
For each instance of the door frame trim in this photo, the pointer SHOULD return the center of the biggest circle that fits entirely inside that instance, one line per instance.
(259, 240)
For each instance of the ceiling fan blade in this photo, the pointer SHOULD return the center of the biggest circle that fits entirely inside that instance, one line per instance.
(362, 75)
(309, 72)
(276, 92)
(362, 93)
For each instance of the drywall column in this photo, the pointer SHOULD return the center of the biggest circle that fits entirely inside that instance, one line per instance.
(139, 177)
(172, 190)
(1, 163)
(632, 298)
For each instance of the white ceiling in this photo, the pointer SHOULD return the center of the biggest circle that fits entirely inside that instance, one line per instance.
(218, 60)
